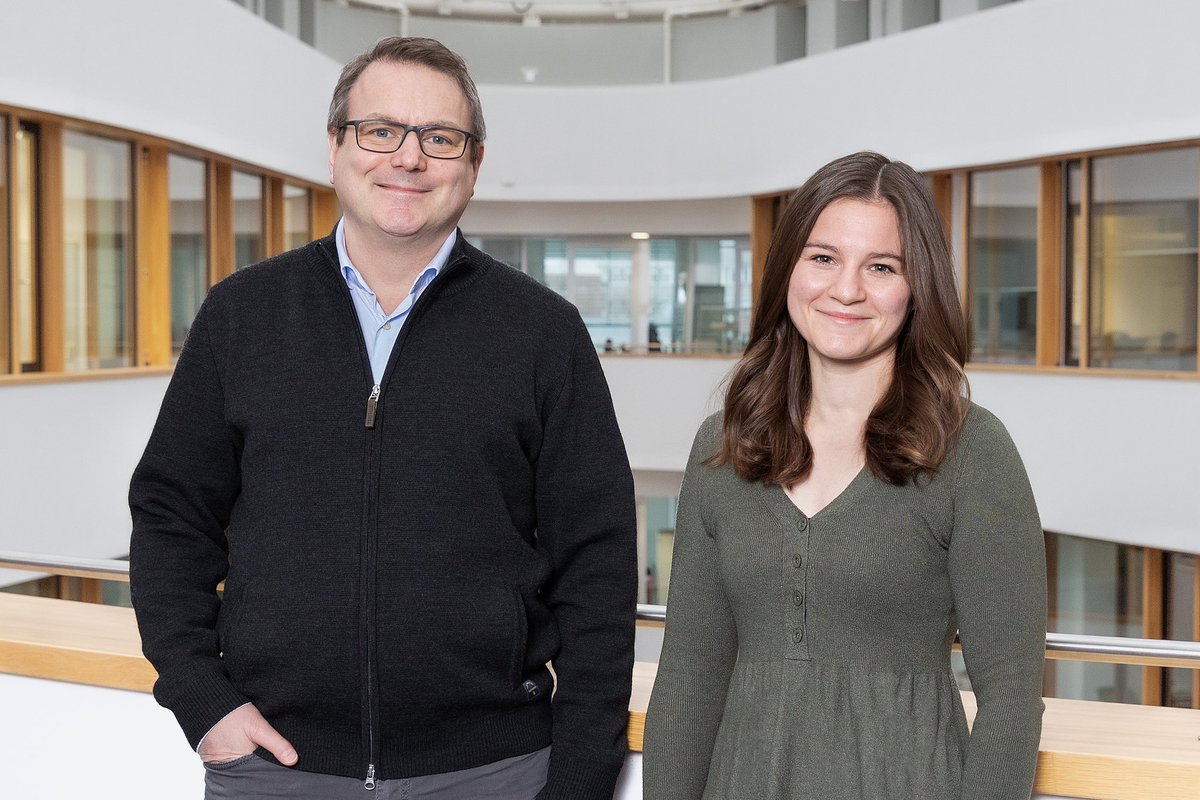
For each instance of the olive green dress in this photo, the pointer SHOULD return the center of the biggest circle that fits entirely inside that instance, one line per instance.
(809, 658)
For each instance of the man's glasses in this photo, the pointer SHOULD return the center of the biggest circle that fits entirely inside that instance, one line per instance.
(436, 141)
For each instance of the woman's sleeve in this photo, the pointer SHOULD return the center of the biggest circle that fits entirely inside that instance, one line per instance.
(699, 649)
(997, 563)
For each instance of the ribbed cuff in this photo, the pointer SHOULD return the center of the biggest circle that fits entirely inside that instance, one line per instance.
(575, 779)
(198, 702)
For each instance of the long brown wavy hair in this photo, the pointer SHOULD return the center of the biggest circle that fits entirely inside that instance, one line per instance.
(917, 420)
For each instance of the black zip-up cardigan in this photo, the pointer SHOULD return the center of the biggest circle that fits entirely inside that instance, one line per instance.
(393, 590)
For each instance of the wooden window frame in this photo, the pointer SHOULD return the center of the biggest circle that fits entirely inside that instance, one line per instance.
(8, 337)
(152, 258)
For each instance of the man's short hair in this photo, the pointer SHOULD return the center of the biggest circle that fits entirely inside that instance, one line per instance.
(406, 50)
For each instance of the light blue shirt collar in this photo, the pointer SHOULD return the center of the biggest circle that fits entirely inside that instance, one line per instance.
(357, 283)
(380, 329)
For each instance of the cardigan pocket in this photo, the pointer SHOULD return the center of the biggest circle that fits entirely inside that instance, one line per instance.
(520, 639)
(229, 618)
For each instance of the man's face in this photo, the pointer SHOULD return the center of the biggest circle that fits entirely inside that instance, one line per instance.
(403, 198)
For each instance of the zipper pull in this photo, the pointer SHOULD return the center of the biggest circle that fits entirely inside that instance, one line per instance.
(372, 406)
(369, 783)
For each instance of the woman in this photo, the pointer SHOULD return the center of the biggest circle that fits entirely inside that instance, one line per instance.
(839, 521)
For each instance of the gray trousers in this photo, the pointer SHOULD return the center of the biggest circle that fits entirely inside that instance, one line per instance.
(251, 778)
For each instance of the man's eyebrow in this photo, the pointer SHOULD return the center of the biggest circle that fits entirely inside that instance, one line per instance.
(437, 122)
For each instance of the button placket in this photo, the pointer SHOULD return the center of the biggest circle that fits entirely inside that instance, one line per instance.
(795, 567)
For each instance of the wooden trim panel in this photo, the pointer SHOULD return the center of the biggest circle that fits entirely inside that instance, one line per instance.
(49, 251)
(153, 256)
(1050, 278)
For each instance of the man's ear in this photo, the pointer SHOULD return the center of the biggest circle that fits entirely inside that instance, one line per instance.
(333, 149)
(478, 158)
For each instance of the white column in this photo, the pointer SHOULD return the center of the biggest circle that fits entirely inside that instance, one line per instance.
(639, 293)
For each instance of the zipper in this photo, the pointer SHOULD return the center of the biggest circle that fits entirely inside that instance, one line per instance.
(373, 405)
(371, 501)
(368, 578)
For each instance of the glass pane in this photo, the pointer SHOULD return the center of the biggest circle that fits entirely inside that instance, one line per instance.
(548, 263)
(602, 292)
(5, 267)
(1181, 625)
(1075, 271)
(659, 540)
(1095, 588)
(665, 271)
(1002, 259)
(97, 204)
(1143, 260)
(505, 249)
(296, 231)
(247, 219)
(28, 347)
(717, 295)
(189, 243)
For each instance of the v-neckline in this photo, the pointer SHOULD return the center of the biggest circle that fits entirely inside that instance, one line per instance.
(787, 510)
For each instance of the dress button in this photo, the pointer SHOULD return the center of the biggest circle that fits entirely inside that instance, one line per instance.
(798, 598)
(387, 326)
(798, 635)
(802, 524)
(797, 561)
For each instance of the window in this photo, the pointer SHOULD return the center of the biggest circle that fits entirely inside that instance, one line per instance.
(1142, 264)
(716, 307)
(672, 294)
(658, 515)
(602, 275)
(1002, 265)
(247, 219)
(296, 228)
(97, 252)
(1182, 590)
(189, 242)
(1096, 587)
(666, 294)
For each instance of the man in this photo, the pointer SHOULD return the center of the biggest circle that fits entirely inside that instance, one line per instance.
(401, 458)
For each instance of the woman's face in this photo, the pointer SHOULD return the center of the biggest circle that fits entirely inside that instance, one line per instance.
(848, 295)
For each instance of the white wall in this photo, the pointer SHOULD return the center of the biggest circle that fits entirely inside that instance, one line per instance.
(61, 741)
(203, 72)
(67, 451)
(1021, 80)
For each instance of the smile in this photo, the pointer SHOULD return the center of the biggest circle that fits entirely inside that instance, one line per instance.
(401, 189)
(841, 317)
